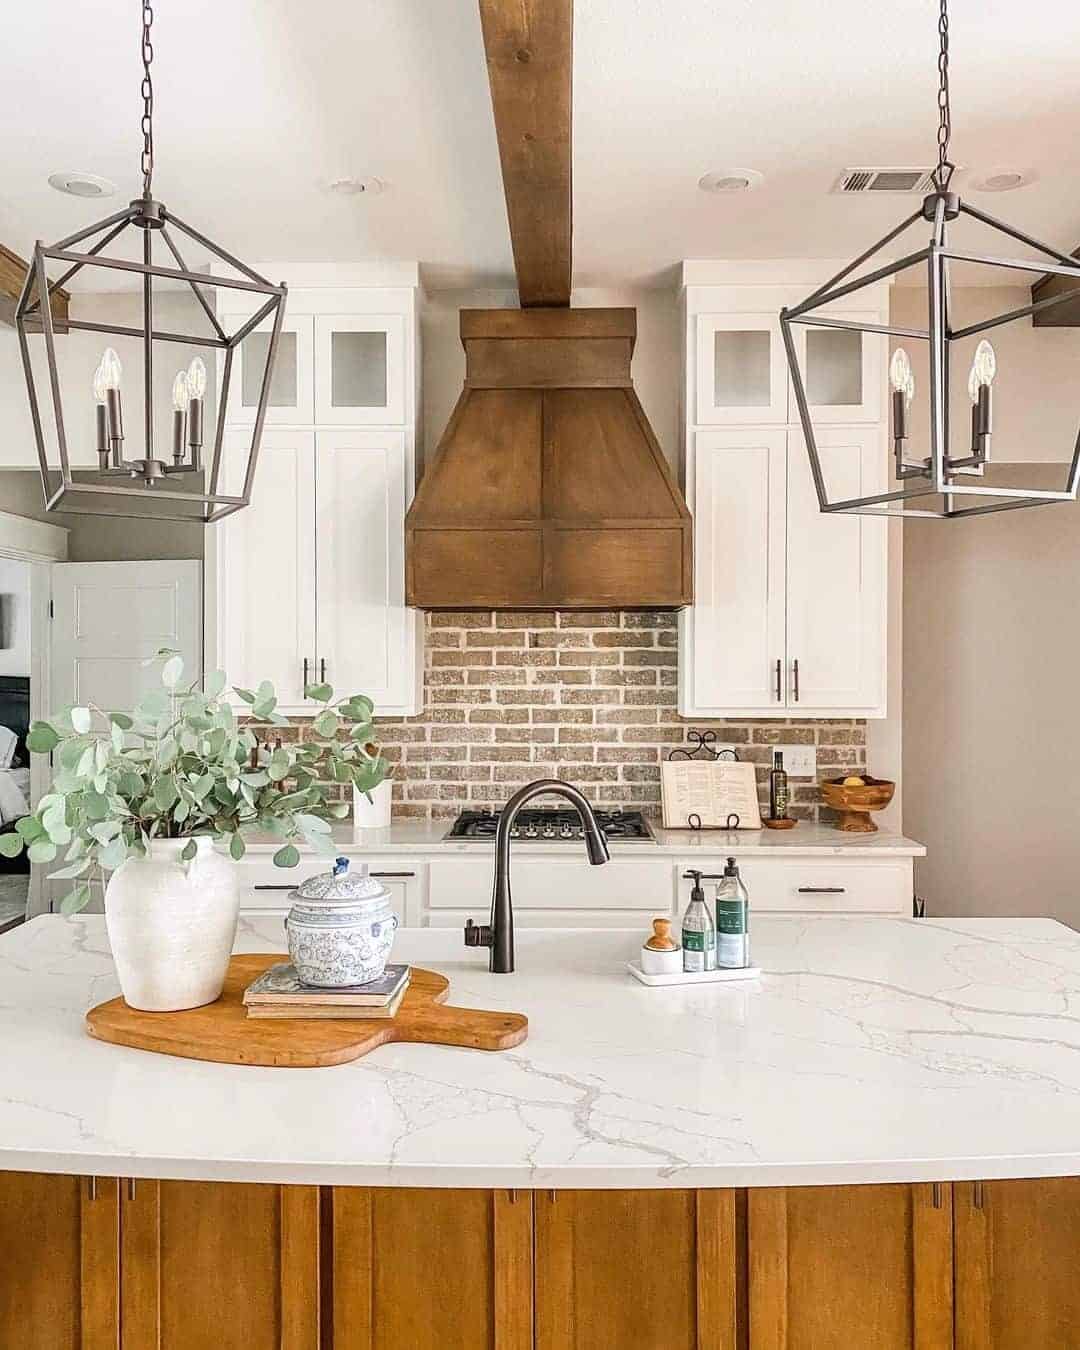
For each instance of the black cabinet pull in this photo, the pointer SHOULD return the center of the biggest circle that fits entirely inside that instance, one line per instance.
(779, 678)
(305, 677)
(795, 671)
(322, 671)
(379, 876)
(821, 890)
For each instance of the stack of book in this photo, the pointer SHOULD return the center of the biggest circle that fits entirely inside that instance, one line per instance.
(278, 992)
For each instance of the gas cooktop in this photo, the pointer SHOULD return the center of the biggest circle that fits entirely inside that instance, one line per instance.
(551, 825)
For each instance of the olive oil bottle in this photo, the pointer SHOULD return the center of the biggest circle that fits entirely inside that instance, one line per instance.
(778, 788)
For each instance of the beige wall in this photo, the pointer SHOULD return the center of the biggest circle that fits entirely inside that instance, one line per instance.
(991, 654)
(104, 538)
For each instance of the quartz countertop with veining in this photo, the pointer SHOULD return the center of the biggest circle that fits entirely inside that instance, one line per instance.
(871, 1050)
(427, 838)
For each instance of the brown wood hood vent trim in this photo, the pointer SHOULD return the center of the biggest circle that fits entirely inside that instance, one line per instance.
(548, 488)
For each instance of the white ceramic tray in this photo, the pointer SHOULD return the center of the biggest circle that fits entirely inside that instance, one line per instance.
(723, 976)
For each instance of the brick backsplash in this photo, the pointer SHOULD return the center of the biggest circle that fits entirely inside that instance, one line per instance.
(585, 697)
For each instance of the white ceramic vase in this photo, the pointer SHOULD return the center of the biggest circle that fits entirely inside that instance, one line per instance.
(373, 814)
(172, 925)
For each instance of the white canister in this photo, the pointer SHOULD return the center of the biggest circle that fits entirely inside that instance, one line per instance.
(373, 814)
(172, 924)
(341, 927)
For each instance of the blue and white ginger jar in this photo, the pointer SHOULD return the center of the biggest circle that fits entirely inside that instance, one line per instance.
(341, 927)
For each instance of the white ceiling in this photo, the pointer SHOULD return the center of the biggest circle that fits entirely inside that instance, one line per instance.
(261, 102)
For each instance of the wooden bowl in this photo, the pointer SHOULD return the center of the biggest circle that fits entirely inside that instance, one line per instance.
(855, 802)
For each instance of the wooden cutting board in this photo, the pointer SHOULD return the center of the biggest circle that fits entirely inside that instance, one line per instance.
(222, 1031)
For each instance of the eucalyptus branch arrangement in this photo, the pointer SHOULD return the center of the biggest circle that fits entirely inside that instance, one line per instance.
(182, 766)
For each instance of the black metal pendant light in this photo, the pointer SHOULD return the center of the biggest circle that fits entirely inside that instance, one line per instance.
(140, 486)
(954, 459)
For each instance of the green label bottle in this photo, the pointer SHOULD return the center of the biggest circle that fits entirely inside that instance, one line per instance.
(732, 920)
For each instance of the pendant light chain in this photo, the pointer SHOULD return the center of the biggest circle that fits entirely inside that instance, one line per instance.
(945, 167)
(147, 91)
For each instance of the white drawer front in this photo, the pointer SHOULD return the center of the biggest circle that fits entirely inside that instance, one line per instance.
(568, 885)
(817, 885)
(265, 888)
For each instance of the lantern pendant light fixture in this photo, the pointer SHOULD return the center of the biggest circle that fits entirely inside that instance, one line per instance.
(140, 484)
(947, 470)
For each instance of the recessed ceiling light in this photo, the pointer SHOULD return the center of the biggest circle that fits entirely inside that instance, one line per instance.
(730, 180)
(79, 184)
(354, 187)
(1002, 180)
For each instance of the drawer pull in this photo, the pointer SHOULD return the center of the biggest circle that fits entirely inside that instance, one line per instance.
(822, 890)
(379, 876)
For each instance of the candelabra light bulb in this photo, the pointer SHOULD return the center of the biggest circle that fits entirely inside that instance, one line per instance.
(900, 374)
(984, 364)
(196, 377)
(181, 392)
(111, 369)
(100, 387)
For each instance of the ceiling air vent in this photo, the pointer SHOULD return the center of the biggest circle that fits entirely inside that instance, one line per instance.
(916, 181)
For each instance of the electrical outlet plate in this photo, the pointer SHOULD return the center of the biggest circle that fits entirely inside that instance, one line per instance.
(800, 761)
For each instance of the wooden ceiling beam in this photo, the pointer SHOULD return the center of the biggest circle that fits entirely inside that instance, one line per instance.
(529, 48)
(13, 271)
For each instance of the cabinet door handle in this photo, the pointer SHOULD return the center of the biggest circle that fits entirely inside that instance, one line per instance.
(795, 672)
(978, 1197)
(322, 671)
(274, 888)
(305, 677)
(822, 890)
(390, 876)
(91, 1183)
(779, 680)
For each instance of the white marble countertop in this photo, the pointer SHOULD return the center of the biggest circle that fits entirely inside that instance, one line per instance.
(419, 838)
(871, 1050)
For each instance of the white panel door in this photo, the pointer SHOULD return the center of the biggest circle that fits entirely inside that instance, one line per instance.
(732, 656)
(741, 369)
(109, 617)
(266, 567)
(292, 383)
(367, 638)
(359, 370)
(836, 623)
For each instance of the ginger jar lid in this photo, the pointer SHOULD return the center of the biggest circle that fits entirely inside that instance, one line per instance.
(344, 885)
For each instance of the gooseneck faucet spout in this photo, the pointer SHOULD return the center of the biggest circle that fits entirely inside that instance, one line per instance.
(499, 934)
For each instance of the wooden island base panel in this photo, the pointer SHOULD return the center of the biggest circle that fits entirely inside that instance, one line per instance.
(115, 1264)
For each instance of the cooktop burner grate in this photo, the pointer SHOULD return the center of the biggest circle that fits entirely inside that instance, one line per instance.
(550, 824)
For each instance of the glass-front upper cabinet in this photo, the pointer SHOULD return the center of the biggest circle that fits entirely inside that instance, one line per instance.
(292, 384)
(741, 371)
(359, 370)
(842, 369)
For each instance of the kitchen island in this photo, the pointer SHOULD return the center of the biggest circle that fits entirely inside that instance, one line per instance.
(878, 1136)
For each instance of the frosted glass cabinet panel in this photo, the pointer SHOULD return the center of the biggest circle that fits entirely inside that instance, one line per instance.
(843, 370)
(359, 370)
(741, 371)
(291, 383)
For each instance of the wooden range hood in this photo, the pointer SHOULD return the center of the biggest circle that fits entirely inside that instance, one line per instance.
(548, 488)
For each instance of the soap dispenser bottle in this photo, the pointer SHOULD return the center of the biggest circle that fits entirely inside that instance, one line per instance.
(732, 920)
(698, 932)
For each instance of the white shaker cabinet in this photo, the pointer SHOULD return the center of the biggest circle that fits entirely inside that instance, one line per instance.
(366, 637)
(790, 609)
(308, 581)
